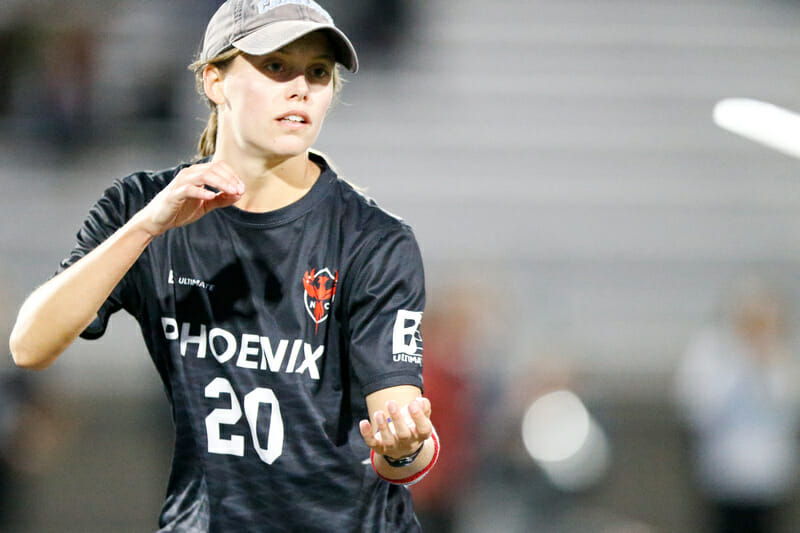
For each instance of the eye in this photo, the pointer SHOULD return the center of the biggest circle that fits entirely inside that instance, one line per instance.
(273, 66)
(320, 72)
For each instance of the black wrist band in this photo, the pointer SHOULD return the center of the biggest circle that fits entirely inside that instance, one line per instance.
(404, 461)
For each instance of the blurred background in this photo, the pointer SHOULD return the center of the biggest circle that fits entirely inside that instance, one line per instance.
(614, 283)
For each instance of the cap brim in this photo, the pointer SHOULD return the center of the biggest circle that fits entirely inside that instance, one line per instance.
(278, 34)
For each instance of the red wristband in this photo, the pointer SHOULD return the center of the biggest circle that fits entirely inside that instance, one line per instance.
(410, 480)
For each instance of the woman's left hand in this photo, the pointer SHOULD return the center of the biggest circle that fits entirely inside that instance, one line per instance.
(398, 432)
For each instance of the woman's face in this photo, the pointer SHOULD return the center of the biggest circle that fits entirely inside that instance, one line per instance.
(275, 104)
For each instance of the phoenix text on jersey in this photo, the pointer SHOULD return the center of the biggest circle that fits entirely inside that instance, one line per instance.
(254, 351)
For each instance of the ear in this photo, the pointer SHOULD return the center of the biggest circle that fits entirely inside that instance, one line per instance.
(212, 84)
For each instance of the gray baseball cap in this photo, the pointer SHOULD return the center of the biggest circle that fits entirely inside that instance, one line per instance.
(262, 26)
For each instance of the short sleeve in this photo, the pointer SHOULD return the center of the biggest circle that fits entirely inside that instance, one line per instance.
(385, 305)
(105, 217)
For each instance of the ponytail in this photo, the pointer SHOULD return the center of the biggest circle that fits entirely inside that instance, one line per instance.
(207, 144)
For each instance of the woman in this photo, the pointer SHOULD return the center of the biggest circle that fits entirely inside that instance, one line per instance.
(278, 304)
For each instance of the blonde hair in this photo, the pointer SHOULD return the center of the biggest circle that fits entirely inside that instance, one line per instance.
(207, 144)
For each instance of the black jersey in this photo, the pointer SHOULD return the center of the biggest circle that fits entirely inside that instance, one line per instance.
(268, 330)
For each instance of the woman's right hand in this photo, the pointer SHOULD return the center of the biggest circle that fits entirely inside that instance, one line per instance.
(186, 198)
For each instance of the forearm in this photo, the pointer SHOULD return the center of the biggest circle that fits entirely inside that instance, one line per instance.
(57, 312)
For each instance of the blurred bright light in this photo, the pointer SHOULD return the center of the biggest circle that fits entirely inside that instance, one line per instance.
(555, 426)
(565, 441)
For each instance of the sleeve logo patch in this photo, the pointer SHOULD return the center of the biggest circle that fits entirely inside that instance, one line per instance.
(406, 337)
(320, 288)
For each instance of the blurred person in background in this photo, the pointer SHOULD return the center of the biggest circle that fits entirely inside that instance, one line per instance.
(17, 40)
(49, 65)
(34, 431)
(736, 390)
(281, 307)
(15, 394)
(451, 338)
(31, 434)
(68, 72)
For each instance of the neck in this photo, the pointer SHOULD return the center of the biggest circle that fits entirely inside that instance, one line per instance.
(271, 183)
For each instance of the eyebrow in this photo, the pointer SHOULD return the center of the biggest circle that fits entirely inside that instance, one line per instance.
(282, 52)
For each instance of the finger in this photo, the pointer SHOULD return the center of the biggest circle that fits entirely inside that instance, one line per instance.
(230, 183)
(225, 167)
(426, 406)
(226, 170)
(191, 172)
(214, 177)
(401, 429)
(195, 167)
(387, 437)
(366, 433)
(188, 191)
(222, 200)
(423, 423)
(207, 176)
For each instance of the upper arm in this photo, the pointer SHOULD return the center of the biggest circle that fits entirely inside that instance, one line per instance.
(384, 305)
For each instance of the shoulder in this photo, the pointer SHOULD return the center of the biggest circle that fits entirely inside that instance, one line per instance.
(360, 212)
(370, 234)
(374, 236)
(353, 198)
(367, 210)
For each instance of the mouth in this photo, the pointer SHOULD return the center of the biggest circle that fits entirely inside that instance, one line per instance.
(294, 119)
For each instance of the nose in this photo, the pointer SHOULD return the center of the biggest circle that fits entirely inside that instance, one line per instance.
(297, 88)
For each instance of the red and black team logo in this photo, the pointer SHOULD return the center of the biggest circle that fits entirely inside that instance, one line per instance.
(320, 289)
